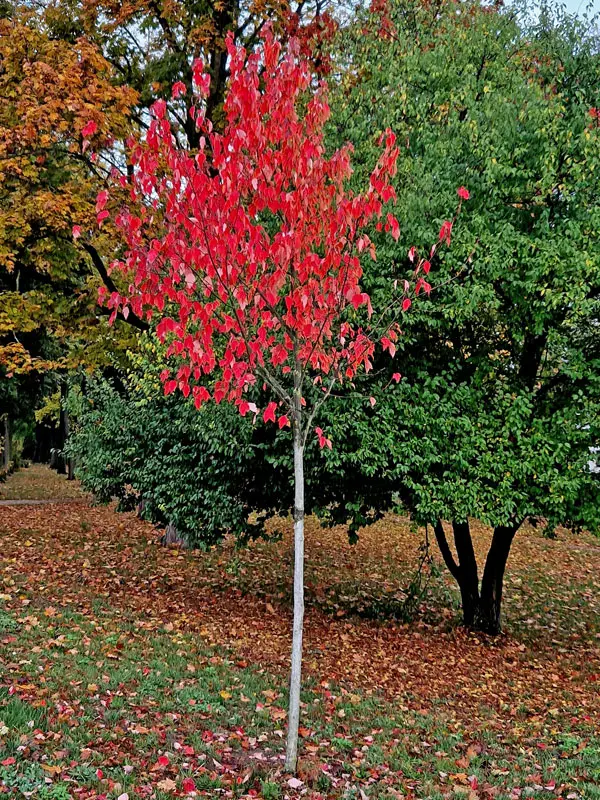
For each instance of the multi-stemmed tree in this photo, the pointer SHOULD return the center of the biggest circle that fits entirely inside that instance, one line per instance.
(500, 401)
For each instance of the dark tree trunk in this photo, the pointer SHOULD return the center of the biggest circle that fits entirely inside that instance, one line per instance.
(468, 580)
(488, 616)
(6, 445)
(66, 427)
(62, 432)
(481, 606)
(43, 443)
(224, 20)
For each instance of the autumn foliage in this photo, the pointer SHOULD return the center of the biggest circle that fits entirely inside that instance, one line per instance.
(57, 100)
(249, 248)
(253, 241)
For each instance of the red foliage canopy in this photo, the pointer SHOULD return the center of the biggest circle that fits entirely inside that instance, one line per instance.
(250, 248)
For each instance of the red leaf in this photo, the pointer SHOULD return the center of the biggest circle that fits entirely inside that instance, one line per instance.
(446, 232)
(394, 226)
(159, 109)
(269, 413)
(101, 200)
(178, 89)
(89, 129)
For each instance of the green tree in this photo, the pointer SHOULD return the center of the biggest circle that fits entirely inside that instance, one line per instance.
(500, 399)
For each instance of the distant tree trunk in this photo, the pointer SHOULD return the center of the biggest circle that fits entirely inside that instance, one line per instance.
(62, 432)
(43, 444)
(481, 607)
(6, 444)
(172, 536)
(69, 460)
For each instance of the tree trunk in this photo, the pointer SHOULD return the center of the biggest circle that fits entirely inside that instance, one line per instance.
(291, 755)
(224, 20)
(66, 432)
(62, 431)
(172, 536)
(6, 446)
(488, 613)
(481, 607)
(468, 579)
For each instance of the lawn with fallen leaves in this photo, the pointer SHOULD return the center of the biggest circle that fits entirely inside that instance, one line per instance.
(129, 670)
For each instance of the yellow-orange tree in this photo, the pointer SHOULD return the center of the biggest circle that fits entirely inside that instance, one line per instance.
(51, 93)
(58, 100)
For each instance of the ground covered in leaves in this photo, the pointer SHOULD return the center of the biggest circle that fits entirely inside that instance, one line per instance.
(129, 670)
(38, 483)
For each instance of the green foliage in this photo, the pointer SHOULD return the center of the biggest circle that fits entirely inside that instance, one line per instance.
(200, 471)
(500, 397)
(7, 622)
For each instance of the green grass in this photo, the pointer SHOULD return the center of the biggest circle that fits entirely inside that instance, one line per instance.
(113, 699)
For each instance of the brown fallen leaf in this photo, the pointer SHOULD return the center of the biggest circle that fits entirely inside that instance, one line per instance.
(167, 785)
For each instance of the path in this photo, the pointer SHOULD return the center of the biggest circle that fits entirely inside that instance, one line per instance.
(37, 484)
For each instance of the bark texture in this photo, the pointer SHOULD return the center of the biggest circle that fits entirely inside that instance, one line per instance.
(291, 755)
(172, 536)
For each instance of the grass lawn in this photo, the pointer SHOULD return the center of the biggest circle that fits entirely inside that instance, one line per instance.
(131, 670)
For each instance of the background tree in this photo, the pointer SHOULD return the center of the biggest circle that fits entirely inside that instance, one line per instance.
(499, 402)
(54, 97)
(152, 45)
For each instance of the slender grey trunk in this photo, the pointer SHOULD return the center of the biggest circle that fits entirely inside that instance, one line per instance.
(6, 442)
(291, 755)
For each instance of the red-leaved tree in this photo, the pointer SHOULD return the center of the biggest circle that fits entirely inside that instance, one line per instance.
(248, 250)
